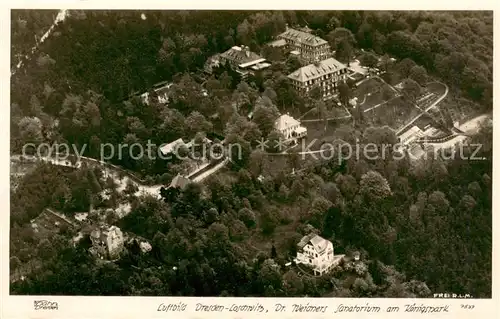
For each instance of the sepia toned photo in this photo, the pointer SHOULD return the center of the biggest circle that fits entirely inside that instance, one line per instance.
(194, 153)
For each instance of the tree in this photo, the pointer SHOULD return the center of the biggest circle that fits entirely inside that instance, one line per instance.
(379, 136)
(273, 54)
(283, 192)
(344, 93)
(439, 201)
(269, 274)
(247, 216)
(419, 288)
(344, 51)
(317, 211)
(342, 41)
(30, 129)
(292, 284)
(418, 74)
(365, 35)
(14, 263)
(62, 197)
(269, 221)
(474, 189)
(274, 254)
(237, 230)
(374, 186)
(385, 62)
(275, 140)
(196, 122)
(405, 66)
(347, 184)
(292, 63)
(339, 35)
(368, 59)
(467, 203)
(264, 115)
(245, 32)
(411, 90)
(270, 93)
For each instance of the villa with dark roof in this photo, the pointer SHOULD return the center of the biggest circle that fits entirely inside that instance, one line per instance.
(240, 58)
(327, 75)
(309, 47)
(317, 253)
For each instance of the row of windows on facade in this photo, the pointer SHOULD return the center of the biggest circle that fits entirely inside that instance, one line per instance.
(323, 87)
(314, 54)
(315, 51)
(335, 76)
(302, 45)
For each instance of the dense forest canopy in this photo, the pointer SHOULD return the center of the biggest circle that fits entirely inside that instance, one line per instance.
(83, 78)
(431, 221)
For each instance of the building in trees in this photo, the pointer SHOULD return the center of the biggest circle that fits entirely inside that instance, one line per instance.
(327, 75)
(410, 135)
(50, 222)
(175, 146)
(179, 182)
(317, 252)
(290, 128)
(107, 242)
(417, 134)
(310, 47)
(240, 58)
(172, 147)
(160, 91)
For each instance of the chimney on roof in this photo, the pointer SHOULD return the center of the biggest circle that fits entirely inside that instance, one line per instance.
(246, 49)
(286, 27)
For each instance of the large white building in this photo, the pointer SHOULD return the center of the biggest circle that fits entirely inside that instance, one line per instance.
(309, 47)
(290, 128)
(317, 253)
(327, 75)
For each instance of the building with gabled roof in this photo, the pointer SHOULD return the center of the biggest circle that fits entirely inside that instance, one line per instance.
(311, 48)
(239, 55)
(289, 127)
(180, 182)
(240, 58)
(317, 252)
(327, 75)
(171, 147)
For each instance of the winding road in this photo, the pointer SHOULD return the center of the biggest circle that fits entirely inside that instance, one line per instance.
(119, 175)
(401, 130)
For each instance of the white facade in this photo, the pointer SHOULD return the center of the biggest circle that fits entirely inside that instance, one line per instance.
(114, 241)
(310, 47)
(107, 242)
(289, 127)
(317, 253)
(162, 93)
(327, 75)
